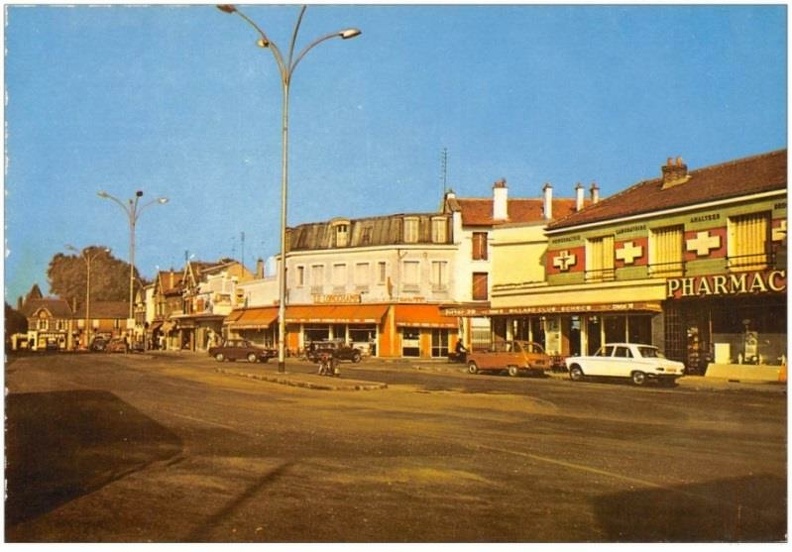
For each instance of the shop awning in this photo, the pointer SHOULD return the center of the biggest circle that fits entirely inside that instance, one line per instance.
(424, 316)
(350, 314)
(253, 318)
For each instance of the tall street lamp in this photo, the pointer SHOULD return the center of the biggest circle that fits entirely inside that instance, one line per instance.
(286, 67)
(133, 211)
(88, 259)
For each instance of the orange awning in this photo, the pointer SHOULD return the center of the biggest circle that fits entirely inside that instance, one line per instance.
(350, 314)
(253, 318)
(424, 316)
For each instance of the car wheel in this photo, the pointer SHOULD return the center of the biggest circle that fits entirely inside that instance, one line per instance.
(252, 357)
(219, 357)
(638, 378)
(472, 368)
(575, 373)
(356, 357)
(514, 371)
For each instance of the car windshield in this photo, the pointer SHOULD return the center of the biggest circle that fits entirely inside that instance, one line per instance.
(650, 352)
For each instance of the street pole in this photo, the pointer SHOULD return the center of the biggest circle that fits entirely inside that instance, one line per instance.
(286, 67)
(133, 210)
(88, 260)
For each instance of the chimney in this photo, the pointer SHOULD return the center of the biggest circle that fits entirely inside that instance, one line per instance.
(674, 172)
(579, 196)
(548, 201)
(500, 200)
(260, 269)
(594, 193)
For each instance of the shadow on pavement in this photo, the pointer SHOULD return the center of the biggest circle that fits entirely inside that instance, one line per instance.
(62, 445)
(745, 509)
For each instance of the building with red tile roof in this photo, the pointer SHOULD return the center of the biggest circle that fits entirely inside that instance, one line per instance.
(693, 261)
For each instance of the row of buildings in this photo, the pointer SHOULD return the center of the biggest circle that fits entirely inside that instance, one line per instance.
(693, 261)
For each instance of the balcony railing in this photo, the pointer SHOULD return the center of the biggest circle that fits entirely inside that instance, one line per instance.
(754, 261)
(600, 275)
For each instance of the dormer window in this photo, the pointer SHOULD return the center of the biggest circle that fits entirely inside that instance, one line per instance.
(439, 230)
(411, 230)
(341, 233)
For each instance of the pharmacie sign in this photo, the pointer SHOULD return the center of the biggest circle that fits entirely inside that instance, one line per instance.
(727, 284)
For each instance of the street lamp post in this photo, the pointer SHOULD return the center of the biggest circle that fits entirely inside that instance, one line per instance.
(133, 211)
(88, 260)
(286, 67)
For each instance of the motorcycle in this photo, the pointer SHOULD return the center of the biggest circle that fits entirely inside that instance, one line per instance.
(328, 365)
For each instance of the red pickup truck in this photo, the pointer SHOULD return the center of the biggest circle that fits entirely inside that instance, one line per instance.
(515, 357)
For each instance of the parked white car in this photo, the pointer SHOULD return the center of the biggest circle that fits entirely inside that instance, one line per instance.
(626, 360)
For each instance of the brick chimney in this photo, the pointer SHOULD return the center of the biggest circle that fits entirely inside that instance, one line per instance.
(547, 190)
(580, 191)
(674, 172)
(500, 200)
(594, 193)
(260, 269)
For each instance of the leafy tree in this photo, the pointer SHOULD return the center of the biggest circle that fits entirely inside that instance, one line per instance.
(67, 275)
(15, 321)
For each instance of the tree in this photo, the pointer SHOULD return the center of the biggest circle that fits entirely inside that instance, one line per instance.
(109, 276)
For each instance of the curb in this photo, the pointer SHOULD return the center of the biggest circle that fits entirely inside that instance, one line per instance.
(306, 381)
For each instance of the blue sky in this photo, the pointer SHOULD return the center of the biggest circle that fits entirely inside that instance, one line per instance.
(178, 101)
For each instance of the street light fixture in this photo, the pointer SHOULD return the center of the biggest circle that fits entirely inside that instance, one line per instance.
(88, 259)
(286, 67)
(133, 211)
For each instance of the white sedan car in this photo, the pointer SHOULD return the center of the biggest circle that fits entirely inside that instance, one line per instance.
(626, 360)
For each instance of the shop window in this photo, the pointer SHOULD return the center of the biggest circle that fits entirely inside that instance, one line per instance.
(666, 246)
(411, 342)
(749, 236)
(439, 343)
(615, 329)
(480, 286)
(479, 246)
(593, 334)
(599, 259)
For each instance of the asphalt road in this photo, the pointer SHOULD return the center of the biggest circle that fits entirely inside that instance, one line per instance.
(117, 448)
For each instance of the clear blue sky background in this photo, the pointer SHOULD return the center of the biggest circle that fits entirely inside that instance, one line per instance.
(179, 102)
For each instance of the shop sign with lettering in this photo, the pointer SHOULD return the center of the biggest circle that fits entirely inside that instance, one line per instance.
(727, 284)
(337, 298)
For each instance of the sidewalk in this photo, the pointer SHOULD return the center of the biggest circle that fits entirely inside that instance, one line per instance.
(269, 372)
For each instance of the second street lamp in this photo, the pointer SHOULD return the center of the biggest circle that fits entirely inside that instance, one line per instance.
(286, 67)
(133, 211)
(88, 259)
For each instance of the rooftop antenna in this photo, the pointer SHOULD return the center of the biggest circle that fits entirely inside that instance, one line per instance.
(444, 171)
(243, 249)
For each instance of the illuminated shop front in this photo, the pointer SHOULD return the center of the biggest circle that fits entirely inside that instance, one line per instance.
(381, 330)
(738, 318)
